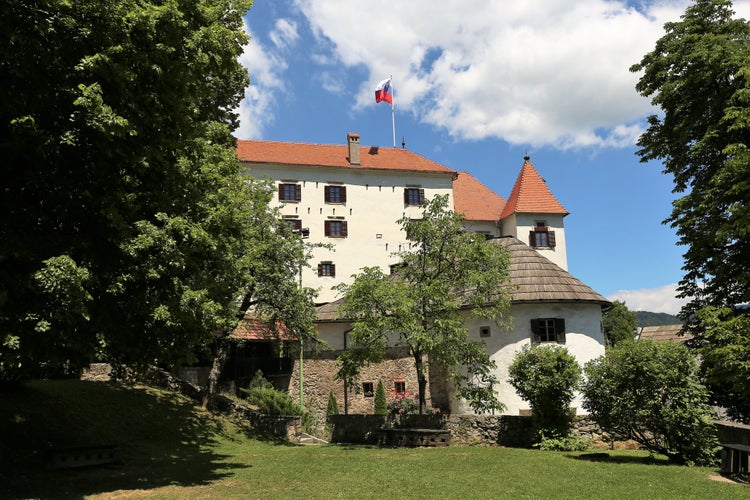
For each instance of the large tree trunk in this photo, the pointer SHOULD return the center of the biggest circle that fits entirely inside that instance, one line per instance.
(421, 381)
(222, 352)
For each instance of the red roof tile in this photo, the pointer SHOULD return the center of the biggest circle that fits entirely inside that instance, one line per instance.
(326, 155)
(474, 200)
(251, 328)
(531, 195)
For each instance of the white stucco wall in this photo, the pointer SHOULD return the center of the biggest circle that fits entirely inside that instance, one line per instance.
(583, 339)
(375, 201)
(519, 225)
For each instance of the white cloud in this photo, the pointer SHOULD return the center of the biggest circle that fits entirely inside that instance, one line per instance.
(285, 34)
(661, 299)
(539, 72)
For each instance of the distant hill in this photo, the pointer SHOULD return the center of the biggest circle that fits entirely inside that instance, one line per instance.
(645, 318)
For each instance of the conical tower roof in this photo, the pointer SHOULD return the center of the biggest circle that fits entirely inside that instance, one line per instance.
(531, 195)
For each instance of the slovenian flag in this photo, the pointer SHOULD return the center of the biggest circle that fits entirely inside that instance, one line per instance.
(383, 92)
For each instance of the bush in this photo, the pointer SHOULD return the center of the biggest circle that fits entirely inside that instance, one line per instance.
(272, 402)
(547, 376)
(650, 392)
(381, 403)
(331, 409)
(556, 442)
(403, 404)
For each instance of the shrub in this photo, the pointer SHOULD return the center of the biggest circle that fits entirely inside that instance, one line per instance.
(547, 377)
(403, 404)
(381, 403)
(650, 392)
(556, 442)
(331, 409)
(272, 402)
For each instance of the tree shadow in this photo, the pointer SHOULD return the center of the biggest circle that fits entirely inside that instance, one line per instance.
(619, 459)
(160, 439)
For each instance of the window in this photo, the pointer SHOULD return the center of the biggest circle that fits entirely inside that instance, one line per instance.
(335, 194)
(541, 236)
(327, 269)
(399, 386)
(548, 330)
(367, 389)
(413, 196)
(290, 192)
(292, 225)
(336, 228)
(484, 332)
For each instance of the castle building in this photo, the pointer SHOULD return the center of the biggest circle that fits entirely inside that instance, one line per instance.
(350, 196)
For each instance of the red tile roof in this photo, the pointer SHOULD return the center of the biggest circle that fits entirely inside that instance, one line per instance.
(475, 200)
(326, 155)
(251, 328)
(531, 195)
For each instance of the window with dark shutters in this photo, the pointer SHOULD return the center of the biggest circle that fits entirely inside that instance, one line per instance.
(336, 228)
(548, 330)
(334, 194)
(327, 269)
(290, 192)
(541, 236)
(413, 196)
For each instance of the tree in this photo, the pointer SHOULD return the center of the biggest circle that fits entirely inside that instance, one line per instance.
(331, 409)
(619, 323)
(381, 403)
(699, 76)
(649, 392)
(447, 274)
(547, 376)
(128, 232)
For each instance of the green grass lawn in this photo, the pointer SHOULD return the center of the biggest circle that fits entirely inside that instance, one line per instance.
(171, 449)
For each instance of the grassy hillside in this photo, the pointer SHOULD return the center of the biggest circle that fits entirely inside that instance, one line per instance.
(169, 448)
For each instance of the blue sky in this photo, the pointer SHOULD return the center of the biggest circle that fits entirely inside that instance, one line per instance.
(479, 84)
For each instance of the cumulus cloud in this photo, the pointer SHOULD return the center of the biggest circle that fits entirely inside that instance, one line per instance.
(539, 72)
(661, 299)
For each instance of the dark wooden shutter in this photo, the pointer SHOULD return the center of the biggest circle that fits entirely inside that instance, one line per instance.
(551, 238)
(297, 192)
(532, 239)
(281, 191)
(320, 269)
(343, 194)
(536, 330)
(560, 330)
(327, 194)
(406, 196)
(333, 270)
(421, 196)
(327, 227)
(344, 229)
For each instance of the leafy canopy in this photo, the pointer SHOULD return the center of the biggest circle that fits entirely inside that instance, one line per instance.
(446, 275)
(699, 76)
(128, 232)
(649, 392)
(619, 323)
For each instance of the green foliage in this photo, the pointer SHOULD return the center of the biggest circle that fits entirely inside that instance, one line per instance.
(646, 318)
(332, 408)
(142, 238)
(403, 403)
(650, 393)
(272, 402)
(259, 381)
(381, 402)
(724, 347)
(547, 376)
(557, 442)
(618, 323)
(699, 76)
(446, 272)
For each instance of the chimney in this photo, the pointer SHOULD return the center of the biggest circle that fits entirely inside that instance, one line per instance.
(352, 139)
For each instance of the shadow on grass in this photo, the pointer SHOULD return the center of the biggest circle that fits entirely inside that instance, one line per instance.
(161, 439)
(619, 459)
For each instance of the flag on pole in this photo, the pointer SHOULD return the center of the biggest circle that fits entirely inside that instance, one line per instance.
(383, 92)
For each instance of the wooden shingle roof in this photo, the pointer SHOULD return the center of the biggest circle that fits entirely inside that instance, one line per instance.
(531, 195)
(331, 155)
(537, 279)
(663, 333)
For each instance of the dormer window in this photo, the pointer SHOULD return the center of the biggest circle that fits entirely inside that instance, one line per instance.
(541, 236)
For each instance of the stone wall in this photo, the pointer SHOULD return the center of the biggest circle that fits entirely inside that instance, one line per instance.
(733, 433)
(319, 378)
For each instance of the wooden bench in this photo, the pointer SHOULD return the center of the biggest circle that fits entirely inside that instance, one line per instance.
(415, 437)
(82, 456)
(735, 459)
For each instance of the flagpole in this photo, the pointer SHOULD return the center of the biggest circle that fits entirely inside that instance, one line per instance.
(393, 112)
